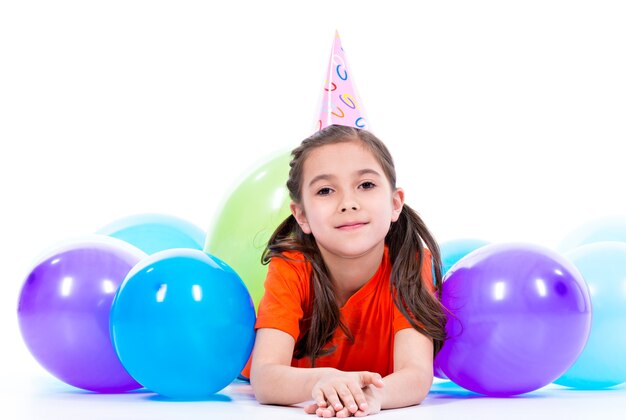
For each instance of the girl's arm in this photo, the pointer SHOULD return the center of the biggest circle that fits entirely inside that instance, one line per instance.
(412, 374)
(407, 385)
(275, 381)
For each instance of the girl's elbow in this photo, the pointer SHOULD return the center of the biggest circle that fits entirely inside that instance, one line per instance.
(424, 389)
(261, 391)
(262, 398)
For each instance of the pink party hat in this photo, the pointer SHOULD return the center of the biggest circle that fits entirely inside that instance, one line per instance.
(341, 104)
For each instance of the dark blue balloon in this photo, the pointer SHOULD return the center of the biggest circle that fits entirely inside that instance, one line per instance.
(183, 324)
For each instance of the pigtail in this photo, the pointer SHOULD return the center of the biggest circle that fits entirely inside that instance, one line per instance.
(406, 240)
(322, 317)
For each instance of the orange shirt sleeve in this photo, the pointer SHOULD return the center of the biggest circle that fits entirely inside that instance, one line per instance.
(281, 306)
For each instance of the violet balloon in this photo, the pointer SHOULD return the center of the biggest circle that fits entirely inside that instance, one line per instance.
(64, 312)
(521, 315)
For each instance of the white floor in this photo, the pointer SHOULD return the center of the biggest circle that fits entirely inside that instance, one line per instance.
(43, 397)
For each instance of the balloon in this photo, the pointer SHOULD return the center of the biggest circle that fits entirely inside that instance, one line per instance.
(247, 220)
(64, 311)
(599, 230)
(156, 232)
(437, 371)
(453, 251)
(602, 363)
(520, 316)
(182, 324)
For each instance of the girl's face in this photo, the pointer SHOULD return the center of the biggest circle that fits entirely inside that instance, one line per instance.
(347, 201)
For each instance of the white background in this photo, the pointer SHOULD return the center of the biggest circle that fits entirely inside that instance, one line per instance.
(506, 118)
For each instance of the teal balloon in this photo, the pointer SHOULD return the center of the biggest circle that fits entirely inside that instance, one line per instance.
(453, 251)
(602, 363)
(182, 324)
(156, 232)
(600, 230)
(247, 219)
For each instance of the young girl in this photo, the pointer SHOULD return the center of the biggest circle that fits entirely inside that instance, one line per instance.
(349, 318)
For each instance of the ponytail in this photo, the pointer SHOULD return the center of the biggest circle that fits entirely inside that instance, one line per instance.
(322, 317)
(406, 239)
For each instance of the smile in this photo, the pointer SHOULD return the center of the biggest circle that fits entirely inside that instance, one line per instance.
(351, 226)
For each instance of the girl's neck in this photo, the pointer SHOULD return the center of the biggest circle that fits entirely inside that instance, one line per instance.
(350, 274)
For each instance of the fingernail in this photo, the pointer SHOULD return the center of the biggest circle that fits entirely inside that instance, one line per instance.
(338, 406)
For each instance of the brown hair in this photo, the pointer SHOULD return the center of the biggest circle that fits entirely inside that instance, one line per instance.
(406, 239)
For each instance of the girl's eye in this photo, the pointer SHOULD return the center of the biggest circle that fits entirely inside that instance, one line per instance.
(324, 191)
(367, 185)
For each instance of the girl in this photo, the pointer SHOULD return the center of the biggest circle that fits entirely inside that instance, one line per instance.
(349, 317)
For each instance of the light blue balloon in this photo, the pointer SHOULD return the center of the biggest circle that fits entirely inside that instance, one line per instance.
(156, 232)
(599, 230)
(602, 363)
(453, 251)
(182, 324)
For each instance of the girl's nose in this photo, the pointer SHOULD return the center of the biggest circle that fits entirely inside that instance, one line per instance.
(349, 206)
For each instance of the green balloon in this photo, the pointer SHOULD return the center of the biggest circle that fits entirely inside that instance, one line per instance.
(247, 220)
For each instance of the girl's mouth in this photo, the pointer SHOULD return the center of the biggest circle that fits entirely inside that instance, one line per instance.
(351, 226)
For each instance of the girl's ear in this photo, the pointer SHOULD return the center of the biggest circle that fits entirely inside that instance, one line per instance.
(298, 212)
(397, 203)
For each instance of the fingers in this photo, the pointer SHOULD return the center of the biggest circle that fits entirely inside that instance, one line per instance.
(359, 400)
(319, 398)
(371, 378)
(344, 395)
(310, 408)
(331, 395)
(325, 412)
(347, 393)
(343, 413)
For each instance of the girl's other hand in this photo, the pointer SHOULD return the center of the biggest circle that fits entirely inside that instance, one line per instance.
(372, 395)
(345, 394)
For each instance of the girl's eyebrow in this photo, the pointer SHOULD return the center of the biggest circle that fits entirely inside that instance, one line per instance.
(360, 172)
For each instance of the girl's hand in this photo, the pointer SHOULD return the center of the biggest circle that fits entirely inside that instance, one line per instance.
(345, 394)
(372, 395)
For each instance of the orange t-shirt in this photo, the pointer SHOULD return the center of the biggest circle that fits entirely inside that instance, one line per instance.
(370, 314)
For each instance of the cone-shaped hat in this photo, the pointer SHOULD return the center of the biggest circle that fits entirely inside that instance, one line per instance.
(341, 104)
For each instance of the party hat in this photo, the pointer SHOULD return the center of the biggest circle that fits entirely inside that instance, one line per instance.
(341, 104)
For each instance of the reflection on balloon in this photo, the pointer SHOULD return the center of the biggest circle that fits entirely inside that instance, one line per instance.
(247, 220)
(156, 232)
(602, 363)
(183, 324)
(64, 311)
(521, 317)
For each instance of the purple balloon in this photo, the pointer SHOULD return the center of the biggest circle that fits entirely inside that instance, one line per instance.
(520, 317)
(437, 371)
(64, 312)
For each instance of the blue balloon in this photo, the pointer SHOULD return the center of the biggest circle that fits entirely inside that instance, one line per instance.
(156, 232)
(453, 251)
(599, 230)
(182, 324)
(602, 363)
